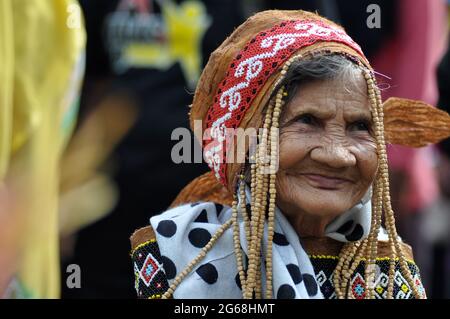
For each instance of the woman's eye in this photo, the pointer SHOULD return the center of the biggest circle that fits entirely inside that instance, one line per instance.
(306, 119)
(359, 126)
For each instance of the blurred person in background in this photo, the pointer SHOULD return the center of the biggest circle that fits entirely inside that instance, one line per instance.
(144, 58)
(443, 78)
(40, 78)
(436, 228)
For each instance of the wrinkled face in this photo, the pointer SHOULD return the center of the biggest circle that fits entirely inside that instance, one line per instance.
(328, 154)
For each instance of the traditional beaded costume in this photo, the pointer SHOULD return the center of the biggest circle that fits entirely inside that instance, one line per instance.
(229, 239)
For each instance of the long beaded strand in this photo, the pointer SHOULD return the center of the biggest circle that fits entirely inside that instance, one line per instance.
(236, 241)
(389, 213)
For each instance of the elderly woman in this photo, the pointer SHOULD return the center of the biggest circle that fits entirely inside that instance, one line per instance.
(301, 215)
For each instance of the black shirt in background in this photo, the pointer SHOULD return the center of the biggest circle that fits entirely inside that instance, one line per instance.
(147, 179)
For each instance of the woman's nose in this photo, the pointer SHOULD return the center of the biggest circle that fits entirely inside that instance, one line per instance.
(334, 154)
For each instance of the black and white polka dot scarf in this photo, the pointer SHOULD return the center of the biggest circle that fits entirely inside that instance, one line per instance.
(182, 231)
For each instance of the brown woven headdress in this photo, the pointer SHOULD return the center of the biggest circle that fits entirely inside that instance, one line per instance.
(241, 73)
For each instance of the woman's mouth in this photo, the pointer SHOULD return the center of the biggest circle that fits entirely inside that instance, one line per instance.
(325, 182)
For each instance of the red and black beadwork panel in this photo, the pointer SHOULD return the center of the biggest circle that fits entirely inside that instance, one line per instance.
(324, 268)
(150, 278)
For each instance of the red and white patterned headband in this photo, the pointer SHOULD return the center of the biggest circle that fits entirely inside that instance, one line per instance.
(249, 71)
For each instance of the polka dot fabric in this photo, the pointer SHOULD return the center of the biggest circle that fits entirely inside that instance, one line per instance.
(350, 226)
(216, 276)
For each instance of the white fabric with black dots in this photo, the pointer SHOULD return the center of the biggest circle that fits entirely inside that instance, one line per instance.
(181, 232)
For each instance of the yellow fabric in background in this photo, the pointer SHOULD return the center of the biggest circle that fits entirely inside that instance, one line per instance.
(42, 45)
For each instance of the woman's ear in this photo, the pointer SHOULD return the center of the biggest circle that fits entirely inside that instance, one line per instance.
(414, 123)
